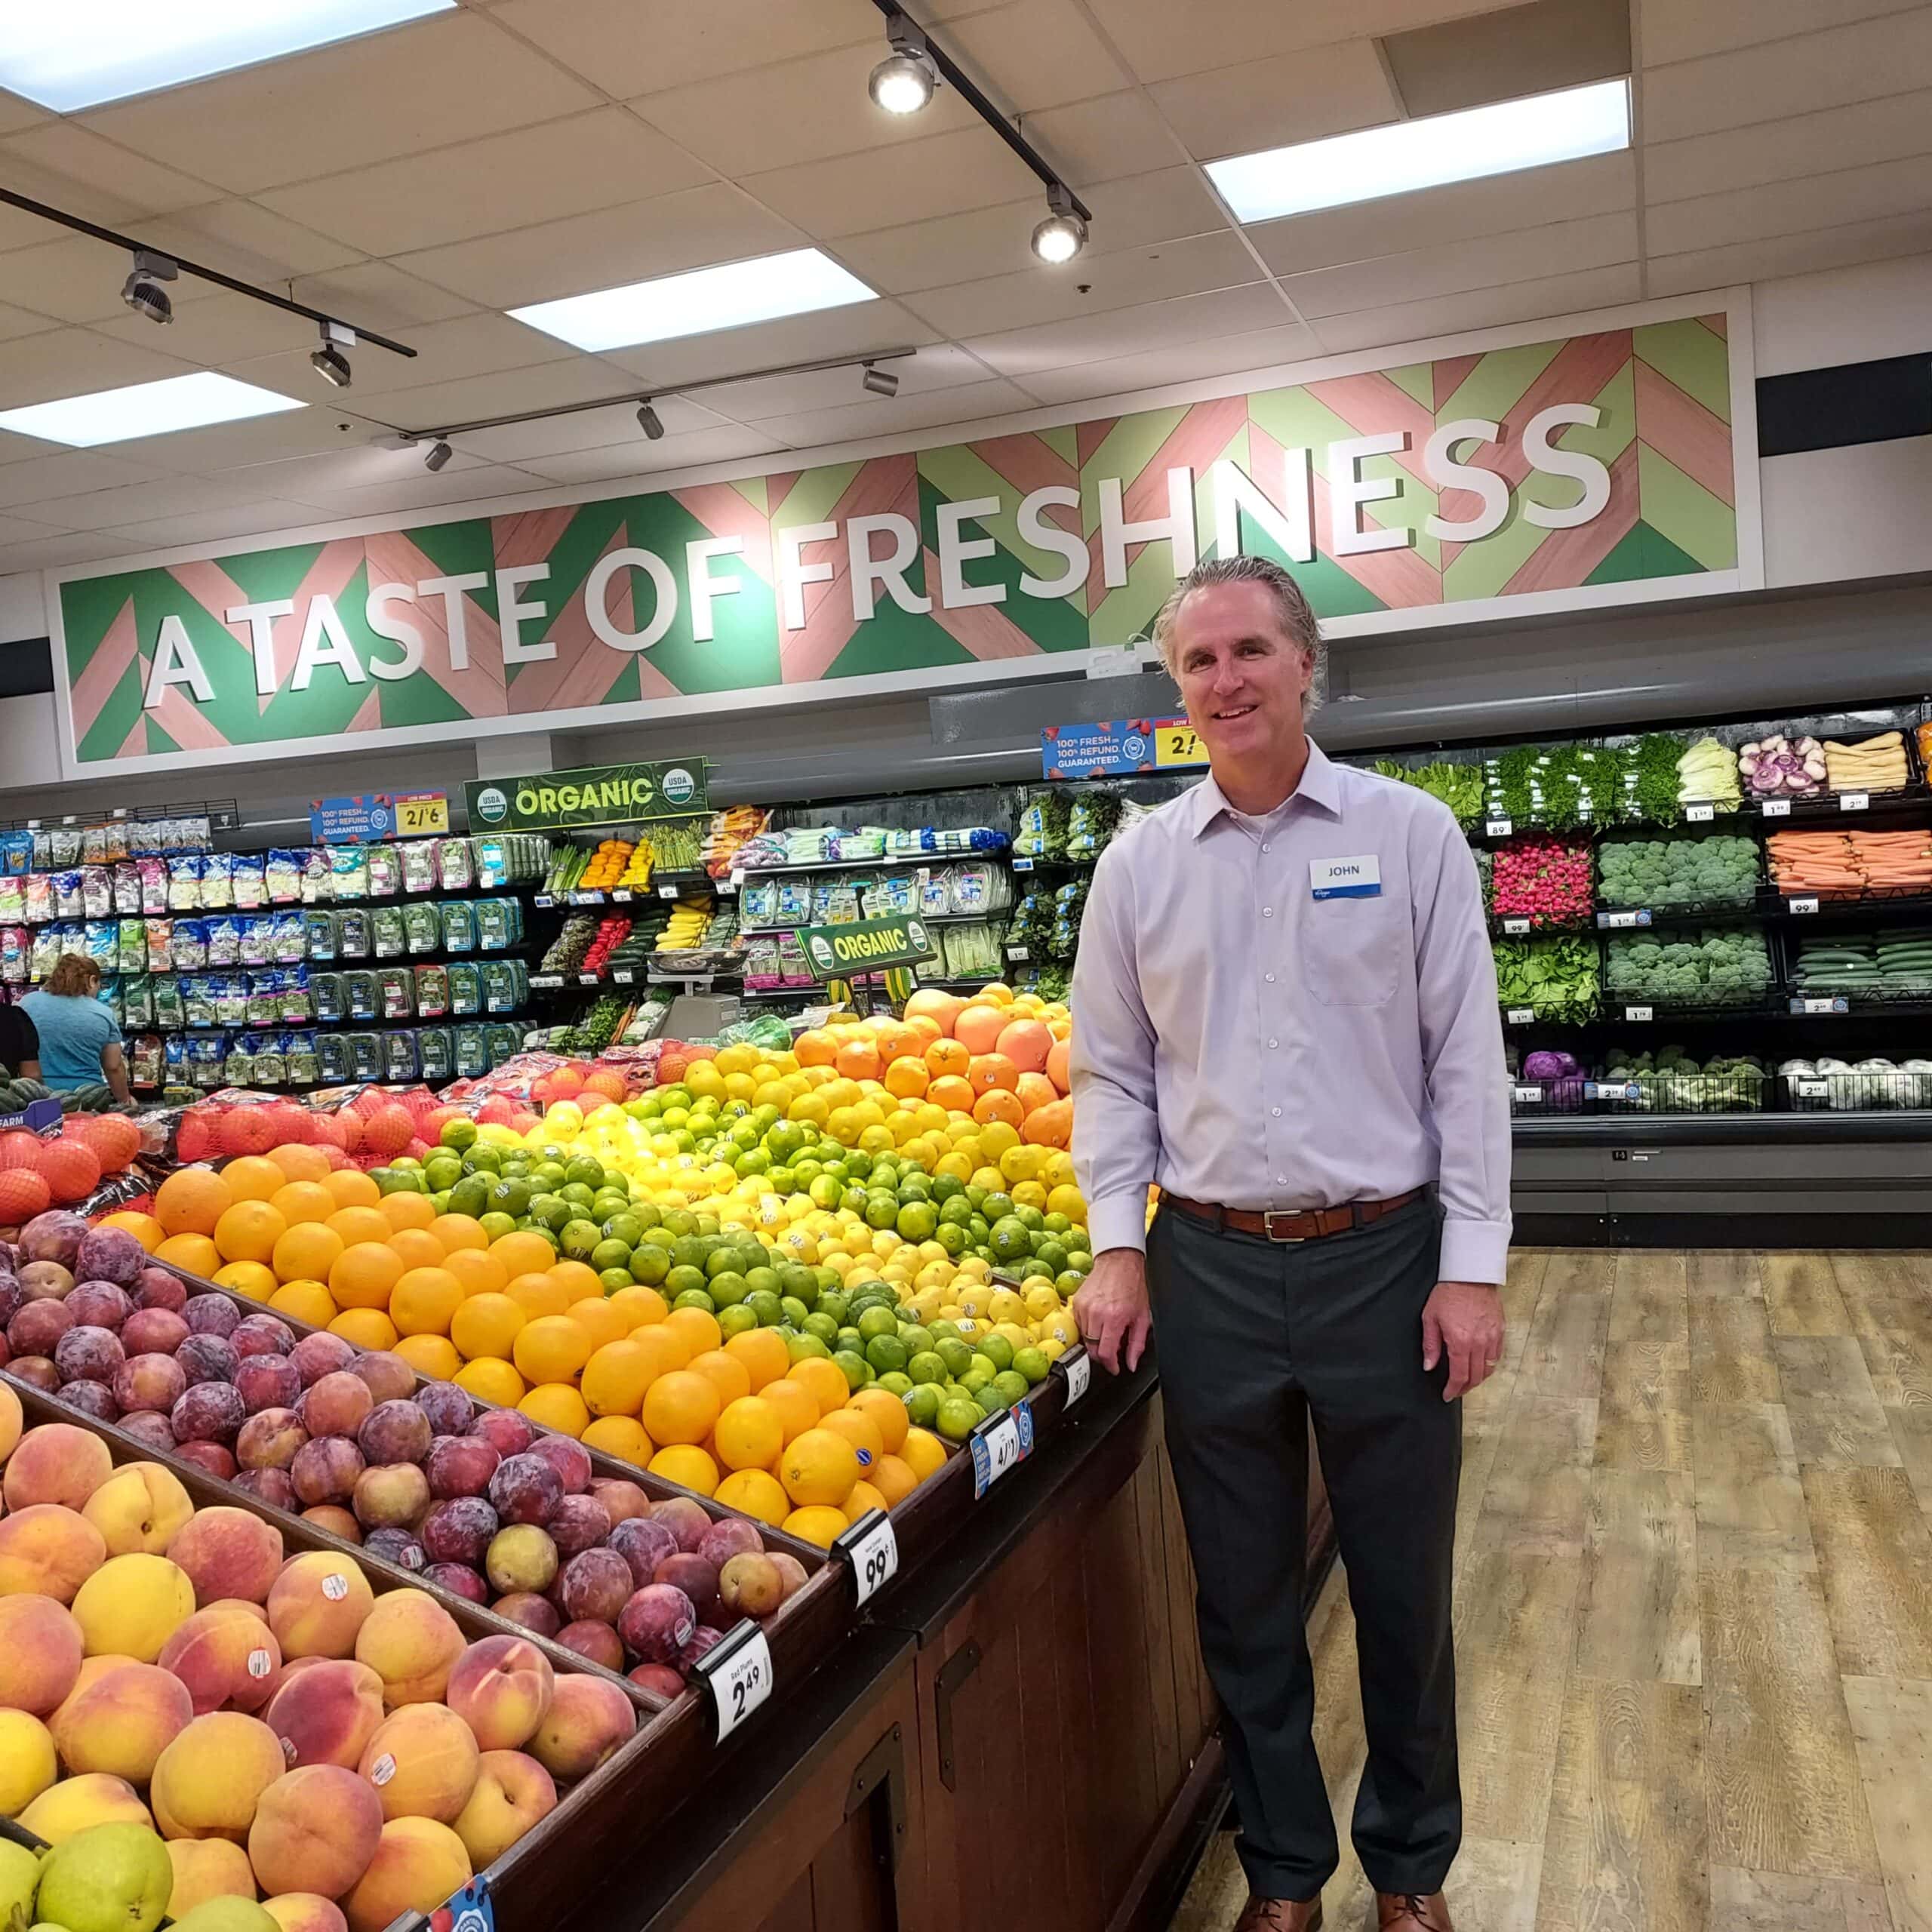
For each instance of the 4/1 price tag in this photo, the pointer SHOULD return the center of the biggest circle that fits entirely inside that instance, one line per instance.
(667, 892)
(872, 1547)
(1699, 814)
(1801, 905)
(1520, 1015)
(422, 814)
(999, 1445)
(737, 1670)
(1636, 1013)
(1017, 952)
(592, 898)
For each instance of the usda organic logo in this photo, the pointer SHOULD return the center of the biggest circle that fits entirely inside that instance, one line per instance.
(916, 932)
(822, 953)
(679, 785)
(492, 805)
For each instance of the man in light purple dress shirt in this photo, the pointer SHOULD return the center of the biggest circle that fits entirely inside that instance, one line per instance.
(1285, 1015)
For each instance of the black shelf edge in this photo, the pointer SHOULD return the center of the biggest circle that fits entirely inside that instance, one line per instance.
(1722, 1130)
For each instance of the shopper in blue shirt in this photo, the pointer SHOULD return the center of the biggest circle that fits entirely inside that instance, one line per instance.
(80, 1045)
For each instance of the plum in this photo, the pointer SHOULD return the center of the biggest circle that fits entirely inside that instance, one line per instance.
(156, 1287)
(334, 1518)
(697, 1578)
(509, 1433)
(571, 1461)
(621, 1500)
(36, 1371)
(149, 1382)
(269, 1485)
(749, 1585)
(211, 1314)
(791, 1571)
(581, 1523)
(685, 1519)
(324, 1469)
(45, 1281)
(209, 1456)
(37, 1327)
(459, 1530)
(389, 1377)
(534, 1612)
(390, 1496)
(643, 1542)
(11, 1298)
(395, 1545)
(459, 1580)
(88, 1355)
(207, 1358)
(99, 1305)
(262, 1335)
(449, 1408)
(735, 1537)
(153, 1331)
(207, 1412)
(322, 1354)
(394, 1431)
(595, 1639)
(656, 1622)
(520, 1558)
(108, 1254)
(57, 1235)
(701, 1641)
(663, 1678)
(149, 1425)
(91, 1398)
(460, 1465)
(269, 1439)
(526, 1489)
(595, 1584)
(267, 1382)
(337, 1404)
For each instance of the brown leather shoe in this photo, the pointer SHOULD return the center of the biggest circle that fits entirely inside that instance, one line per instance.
(1413, 1912)
(1261, 1914)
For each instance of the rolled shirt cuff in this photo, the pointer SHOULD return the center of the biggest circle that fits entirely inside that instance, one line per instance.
(1118, 1221)
(1472, 1251)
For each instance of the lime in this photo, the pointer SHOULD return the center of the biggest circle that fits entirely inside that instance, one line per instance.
(850, 1339)
(681, 1282)
(442, 1174)
(956, 1420)
(799, 1346)
(1069, 1284)
(927, 1366)
(875, 1320)
(768, 1308)
(612, 1279)
(821, 1324)
(833, 1303)
(1031, 1364)
(469, 1196)
(510, 1196)
(481, 1158)
(791, 1310)
(916, 1220)
(856, 1371)
(922, 1402)
(880, 1210)
(956, 1354)
(982, 1365)
(458, 1133)
(887, 1353)
(896, 1382)
(678, 1222)
(580, 1239)
(727, 1288)
(582, 1167)
(735, 1321)
(496, 1225)
(608, 1205)
(991, 1401)
(998, 1350)
(1010, 1383)
(649, 1264)
(695, 1298)
(608, 1253)
(1010, 1241)
(943, 1331)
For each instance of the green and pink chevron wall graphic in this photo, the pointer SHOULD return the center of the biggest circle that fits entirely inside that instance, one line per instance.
(1558, 467)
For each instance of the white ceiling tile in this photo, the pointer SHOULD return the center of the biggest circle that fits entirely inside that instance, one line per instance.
(1182, 362)
(62, 163)
(1089, 284)
(606, 249)
(72, 472)
(483, 187)
(1564, 247)
(16, 112)
(1481, 308)
(18, 321)
(423, 491)
(529, 444)
(727, 444)
(625, 49)
(856, 330)
(50, 553)
(1268, 103)
(574, 379)
(225, 447)
(1789, 150)
(299, 479)
(1573, 191)
(946, 174)
(1018, 352)
(58, 362)
(480, 344)
(1098, 140)
(1144, 209)
(1789, 254)
(1686, 29)
(1787, 77)
(1033, 54)
(137, 503)
(258, 514)
(1840, 199)
(219, 329)
(248, 241)
(416, 87)
(379, 296)
(76, 278)
(801, 110)
(876, 417)
(945, 367)
(22, 529)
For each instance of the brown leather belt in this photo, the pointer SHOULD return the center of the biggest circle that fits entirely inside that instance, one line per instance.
(1286, 1224)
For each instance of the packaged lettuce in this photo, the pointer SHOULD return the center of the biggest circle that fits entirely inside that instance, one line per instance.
(290, 937)
(237, 1003)
(170, 1009)
(16, 947)
(422, 929)
(175, 1061)
(251, 881)
(146, 1058)
(432, 991)
(459, 918)
(38, 905)
(360, 996)
(304, 1063)
(318, 882)
(319, 931)
(205, 1063)
(69, 903)
(365, 1055)
(197, 1000)
(271, 1063)
(348, 872)
(101, 942)
(434, 1053)
(500, 986)
(263, 999)
(154, 885)
(237, 1063)
(298, 1005)
(389, 936)
(258, 939)
(466, 983)
(224, 940)
(161, 944)
(352, 934)
(16, 852)
(96, 892)
(136, 999)
(504, 1043)
(282, 876)
(496, 923)
(417, 857)
(334, 1063)
(325, 992)
(184, 881)
(132, 948)
(493, 861)
(470, 1046)
(385, 872)
(217, 882)
(399, 1060)
(127, 888)
(65, 844)
(13, 898)
(456, 865)
(191, 945)
(395, 992)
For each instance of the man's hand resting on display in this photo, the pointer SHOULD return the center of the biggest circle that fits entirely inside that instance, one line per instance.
(1112, 1308)
(1462, 1320)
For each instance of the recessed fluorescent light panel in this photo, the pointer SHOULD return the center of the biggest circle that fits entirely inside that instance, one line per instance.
(1407, 155)
(145, 409)
(76, 53)
(725, 297)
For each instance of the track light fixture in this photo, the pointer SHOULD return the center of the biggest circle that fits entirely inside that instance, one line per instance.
(649, 421)
(143, 292)
(904, 82)
(880, 382)
(440, 453)
(328, 361)
(1063, 234)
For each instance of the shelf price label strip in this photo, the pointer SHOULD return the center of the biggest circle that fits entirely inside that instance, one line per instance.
(871, 1546)
(737, 1671)
(999, 1445)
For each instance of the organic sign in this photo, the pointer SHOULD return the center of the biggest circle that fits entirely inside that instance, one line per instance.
(867, 945)
(1557, 470)
(588, 795)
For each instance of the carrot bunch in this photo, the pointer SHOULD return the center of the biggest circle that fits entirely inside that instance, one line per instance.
(1848, 864)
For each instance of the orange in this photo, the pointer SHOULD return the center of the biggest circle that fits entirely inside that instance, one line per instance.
(434, 1356)
(665, 1347)
(996, 1103)
(350, 1187)
(991, 1070)
(1026, 1043)
(978, 1028)
(252, 1278)
(680, 1407)
(364, 1274)
(303, 1201)
(907, 1078)
(298, 1161)
(537, 1294)
(615, 1379)
(598, 1319)
(360, 1223)
(456, 1231)
(491, 1381)
(700, 1330)
(144, 1228)
(815, 1525)
(867, 1440)
(576, 1278)
(306, 1252)
(191, 1200)
(556, 1405)
(796, 1406)
(725, 1373)
(418, 1247)
(640, 1306)
(757, 1493)
(953, 1094)
(1035, 1089)
(423, 1301)
(305, 1301)
(923, 1452)
(621, 1436)
(864, 1499)
(824, 1380)
(366, 1328)
(406, 1210)
(893, 1479)
(248, 1231)
(858, 1059)
(523, 1253)
(942, 1009)
(478, 1270)
(894, 1041)
(814, 1047)
(195, 1253)
(819, 1467)
(551, 1348)
(254, 1177)
(1059, 1065)
(926, 1028)
(1049, 1126)
(487, 1324)
(887, 1413)
(689, 1467)
(749, 1434)
(762, 1350)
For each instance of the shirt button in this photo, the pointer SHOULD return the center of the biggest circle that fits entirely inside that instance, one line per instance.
(1265, 847)
(1267, 911)
(1276, 1112)
(1274, 1043)
(1270, 977)
(1282, 1180)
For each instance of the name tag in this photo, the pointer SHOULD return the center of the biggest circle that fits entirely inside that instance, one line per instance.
(1358, 877)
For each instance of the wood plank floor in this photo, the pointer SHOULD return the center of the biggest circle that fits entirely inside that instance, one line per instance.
(1694, 1615)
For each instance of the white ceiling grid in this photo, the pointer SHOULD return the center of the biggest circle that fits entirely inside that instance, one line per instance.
(423, 180)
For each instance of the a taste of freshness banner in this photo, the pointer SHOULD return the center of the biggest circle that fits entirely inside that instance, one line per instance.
(1584, 461)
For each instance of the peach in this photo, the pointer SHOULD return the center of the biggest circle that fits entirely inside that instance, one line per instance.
(40, 1654)
(119, 1719)
(317, 1605)
(326, 1713)
(501, 1687)
(587, 1720)
(418, 1864)
(207, 1782)
(139, 1509)
(226, 1655)
(131, 1605)
(76, 1803)
(56, 1462)
(512, 1792)
(316, 1830)
(422, 1762)
(228, 1553)
(207, 1868)
(333, 1517)
(11, 1421)
(27, 1766)
(410, 1640)
(48, 1550)
(303, 1911)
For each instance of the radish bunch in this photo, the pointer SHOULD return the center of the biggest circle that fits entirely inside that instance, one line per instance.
(1547, 880)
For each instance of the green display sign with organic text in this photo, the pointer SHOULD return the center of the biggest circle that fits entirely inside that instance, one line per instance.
(866, 946)
(588, 795)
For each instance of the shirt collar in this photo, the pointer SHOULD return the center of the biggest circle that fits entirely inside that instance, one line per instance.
(1320, 785)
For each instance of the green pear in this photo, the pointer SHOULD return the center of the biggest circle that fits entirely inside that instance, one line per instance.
(20, 1875)
(107, 1878)
(226, 1913)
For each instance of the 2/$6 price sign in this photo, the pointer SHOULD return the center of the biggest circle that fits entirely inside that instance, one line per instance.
(589, 795)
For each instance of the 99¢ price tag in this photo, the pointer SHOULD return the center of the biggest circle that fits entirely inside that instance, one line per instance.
(739, 1672)
(872, 1547)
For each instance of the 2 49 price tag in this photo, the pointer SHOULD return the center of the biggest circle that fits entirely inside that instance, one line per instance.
(871, 1546)
(738, 1671)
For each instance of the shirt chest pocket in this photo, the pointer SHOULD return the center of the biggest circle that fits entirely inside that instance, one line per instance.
(1354, 951)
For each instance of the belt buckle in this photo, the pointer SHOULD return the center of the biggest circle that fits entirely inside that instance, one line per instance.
(1275, 1214)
